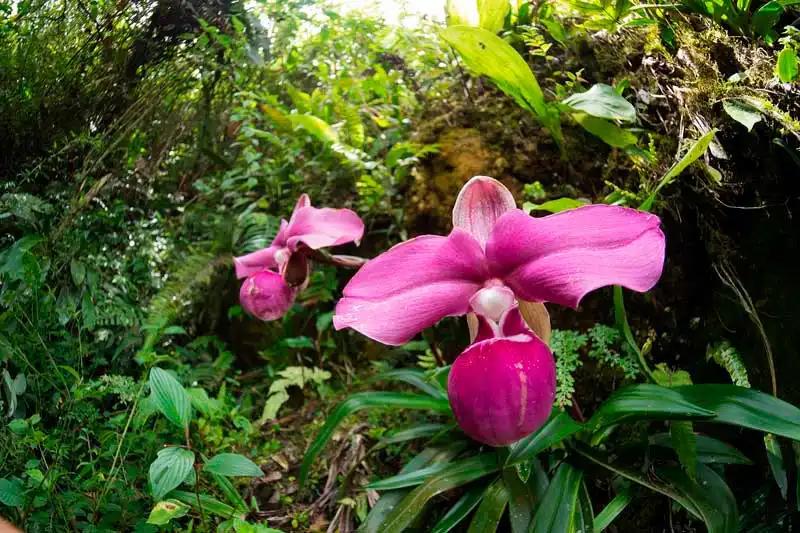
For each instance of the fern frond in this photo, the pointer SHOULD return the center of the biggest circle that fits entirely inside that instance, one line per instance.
(726, 356)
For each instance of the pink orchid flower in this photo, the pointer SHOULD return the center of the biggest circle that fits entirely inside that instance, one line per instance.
(274, 275)
(502, 387)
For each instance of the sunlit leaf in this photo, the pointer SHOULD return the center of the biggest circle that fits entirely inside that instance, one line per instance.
(165, 511)
(608, 132)
(786, 66)
(742, 112)
(170, 397)
(554, 206)
(492, 14)
(232, 464)
(602, 101)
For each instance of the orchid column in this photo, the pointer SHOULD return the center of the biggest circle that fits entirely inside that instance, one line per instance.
(502, 387)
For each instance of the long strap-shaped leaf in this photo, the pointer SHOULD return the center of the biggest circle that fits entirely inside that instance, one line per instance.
(491, 509)
(557, 428)
(558, 507)
(415, 378)
(708, 498)
(459, 473)
(366, 400)
(460, 509)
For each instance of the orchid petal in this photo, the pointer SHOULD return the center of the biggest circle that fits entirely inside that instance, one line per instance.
(266, 295)
(502, 389)
(480, 203)
(561, 257)
(412, 286)
(303, 201)
(247, 265)
(320, 228)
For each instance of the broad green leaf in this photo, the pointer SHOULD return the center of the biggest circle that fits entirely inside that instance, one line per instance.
(744, 407)
(602, 101)
(459, 511)
(557, 428)
(557, 510)
(776, 464)
(170, 468)
(77, 271)
(695, 151)
(488, 55)
(709, 450)
(209, 504)
(457, 474)
(232, 464)
(170, 397)
(742, 112)
(608, 132)
(461, 13)
(611, 511)
(554, 206)
(765, 18)
(165, 511)
(11, 492)
(786, 66)
(415, 378)
(645, 401)
(492, 14)
(367, 400)
(315, 126)
(490, 511)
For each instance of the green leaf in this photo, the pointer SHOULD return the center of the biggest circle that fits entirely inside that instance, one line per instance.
(709, 450)
(524, 496)
(315, 126)
(492, 14)
(776, 465)
(557, 510)
(11, 492)
(554, 206)
(415, 378)
(742, 112)
(645, 401)
(165, 511)
(608, 132)
(459, 511)
(415, 432)
(367, 400)
(409, 479)
(695, 151)
(685, 445)
(602, 101)
(786, 66)
(461, 12)
(765, 18)
(170, 468)
(744, 407)
(457, 474)
(493, 505)
(78, 271)
(488, 55)
(557, 428)
(232, 464)
(170, 397)
(611, 511)
(209, 504)
(584, 513)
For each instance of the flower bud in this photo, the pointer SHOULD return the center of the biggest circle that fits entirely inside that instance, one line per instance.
(266, 295)
(502, 389)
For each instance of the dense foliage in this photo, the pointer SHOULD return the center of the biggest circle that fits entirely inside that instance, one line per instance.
(148, 142)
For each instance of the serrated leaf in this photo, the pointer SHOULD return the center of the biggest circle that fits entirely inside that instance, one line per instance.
(168, 471)
(743, 113)
(165, 511)
(602, 101)
(232, 464)
(170, 397)
(11, 492)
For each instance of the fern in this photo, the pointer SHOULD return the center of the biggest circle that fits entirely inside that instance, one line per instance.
(352, 131)
(254, 230)
(728, 358)
(297, 376)
(566, 346)
(604, 342)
